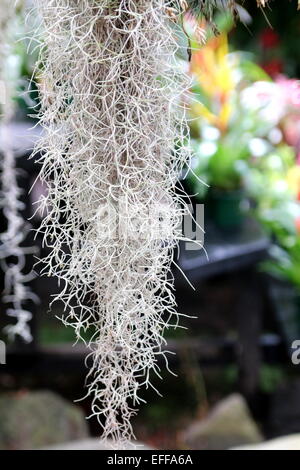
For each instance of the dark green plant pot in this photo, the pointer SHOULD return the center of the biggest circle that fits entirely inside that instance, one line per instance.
(227, 208)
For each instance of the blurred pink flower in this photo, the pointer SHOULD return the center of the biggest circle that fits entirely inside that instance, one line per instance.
(275, 100)
(266, 98)
(291, 90)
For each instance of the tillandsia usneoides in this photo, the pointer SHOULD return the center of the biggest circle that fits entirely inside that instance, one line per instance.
(13, 250)
(115, 141)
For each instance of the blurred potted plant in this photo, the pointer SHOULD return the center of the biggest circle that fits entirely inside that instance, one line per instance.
(222, 129)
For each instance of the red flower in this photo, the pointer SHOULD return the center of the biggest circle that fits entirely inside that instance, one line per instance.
(269, 38)
(273, 67)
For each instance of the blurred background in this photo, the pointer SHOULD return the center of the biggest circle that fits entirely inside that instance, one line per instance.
(238, 380)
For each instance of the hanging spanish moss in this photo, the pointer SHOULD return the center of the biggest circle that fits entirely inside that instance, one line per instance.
(13, 253)
(110, 100)
(115, 140)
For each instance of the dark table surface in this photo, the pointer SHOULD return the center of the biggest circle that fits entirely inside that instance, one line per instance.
(223, 252)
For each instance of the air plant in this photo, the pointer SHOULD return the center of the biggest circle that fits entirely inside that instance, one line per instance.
(110, 106)
(12, 252)
(115, 141)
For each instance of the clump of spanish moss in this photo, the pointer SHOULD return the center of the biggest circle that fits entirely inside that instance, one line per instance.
(12, 251)
(114, 144)
(112, 151)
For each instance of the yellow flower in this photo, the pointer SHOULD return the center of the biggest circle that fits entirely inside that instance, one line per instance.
(211, 66)
(212, 69)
